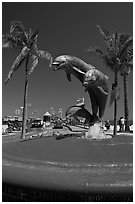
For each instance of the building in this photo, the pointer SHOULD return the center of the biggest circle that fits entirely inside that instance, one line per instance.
(12, 118)
(47, 119)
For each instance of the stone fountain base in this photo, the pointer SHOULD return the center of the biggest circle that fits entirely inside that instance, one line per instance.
(94, 132)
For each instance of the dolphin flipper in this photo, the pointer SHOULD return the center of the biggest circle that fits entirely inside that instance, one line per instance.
(68, 73)
(102, 105)
(102, 90)
(78, 70)
(101, 96)
(94, 102)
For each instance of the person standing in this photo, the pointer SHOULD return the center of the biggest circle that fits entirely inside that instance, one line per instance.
(107, 124)
(122, 124)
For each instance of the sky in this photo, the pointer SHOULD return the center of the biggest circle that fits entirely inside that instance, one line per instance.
(64, 28)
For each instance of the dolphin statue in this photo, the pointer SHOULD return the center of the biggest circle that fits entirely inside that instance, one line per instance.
(77, 67)
(72, 66)
(79, 111)
(96, 84)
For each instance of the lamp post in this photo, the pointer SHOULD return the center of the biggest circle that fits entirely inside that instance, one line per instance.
(28, 106)
(52, 113)
(60, 112)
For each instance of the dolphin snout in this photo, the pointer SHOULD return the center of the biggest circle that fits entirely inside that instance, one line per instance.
(55, 65)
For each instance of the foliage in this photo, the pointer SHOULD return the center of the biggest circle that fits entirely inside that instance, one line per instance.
(25, 43)
(119, 49)
(119, 57)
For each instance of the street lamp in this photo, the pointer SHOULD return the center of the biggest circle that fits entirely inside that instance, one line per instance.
(28, 106)
(60, 112)
(52, 113)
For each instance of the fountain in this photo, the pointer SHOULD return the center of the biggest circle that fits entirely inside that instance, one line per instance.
(95, 83)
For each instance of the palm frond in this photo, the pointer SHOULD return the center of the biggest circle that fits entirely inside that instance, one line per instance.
(95, 49)
(18, 30)
(32, 38)
(109, 62)
(110, 39)
(34, 35)
(17, 26)
(34, 63)
(131, 65)
(45, 54)
(9, 41)
(125, 46)
(106, 33)
(127, 61)
(129, 55)
(125, 69)
(19, 60)
(123, 37)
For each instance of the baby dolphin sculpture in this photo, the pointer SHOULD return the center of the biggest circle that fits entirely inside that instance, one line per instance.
(95, 84)
(97, 87)
(79, 111)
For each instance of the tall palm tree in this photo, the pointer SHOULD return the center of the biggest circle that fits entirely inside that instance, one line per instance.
(125, 70)
(117, 45)
(25, 43)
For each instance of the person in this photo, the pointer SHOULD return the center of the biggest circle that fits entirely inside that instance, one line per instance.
(107, 124)
(122, 124)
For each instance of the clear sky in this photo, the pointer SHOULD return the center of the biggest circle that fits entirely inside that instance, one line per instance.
(64, 28)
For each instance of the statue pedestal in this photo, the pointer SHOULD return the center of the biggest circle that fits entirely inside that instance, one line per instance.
(96, 132)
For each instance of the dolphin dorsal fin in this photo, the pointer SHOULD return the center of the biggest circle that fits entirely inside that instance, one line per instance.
(68, 75)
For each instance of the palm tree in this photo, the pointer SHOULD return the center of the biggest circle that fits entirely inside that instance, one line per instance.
(125, 70)
(25, 43)
(115, 56)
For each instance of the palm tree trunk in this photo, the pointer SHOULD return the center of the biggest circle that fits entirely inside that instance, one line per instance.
(25, 100)
(115, 108)
(126, 102)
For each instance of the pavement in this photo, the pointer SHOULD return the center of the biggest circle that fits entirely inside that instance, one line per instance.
(39, 131)
(69, 163)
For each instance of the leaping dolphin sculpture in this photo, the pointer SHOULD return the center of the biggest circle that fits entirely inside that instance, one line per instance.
(72, 66)
(79, 111)
(77, 67)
